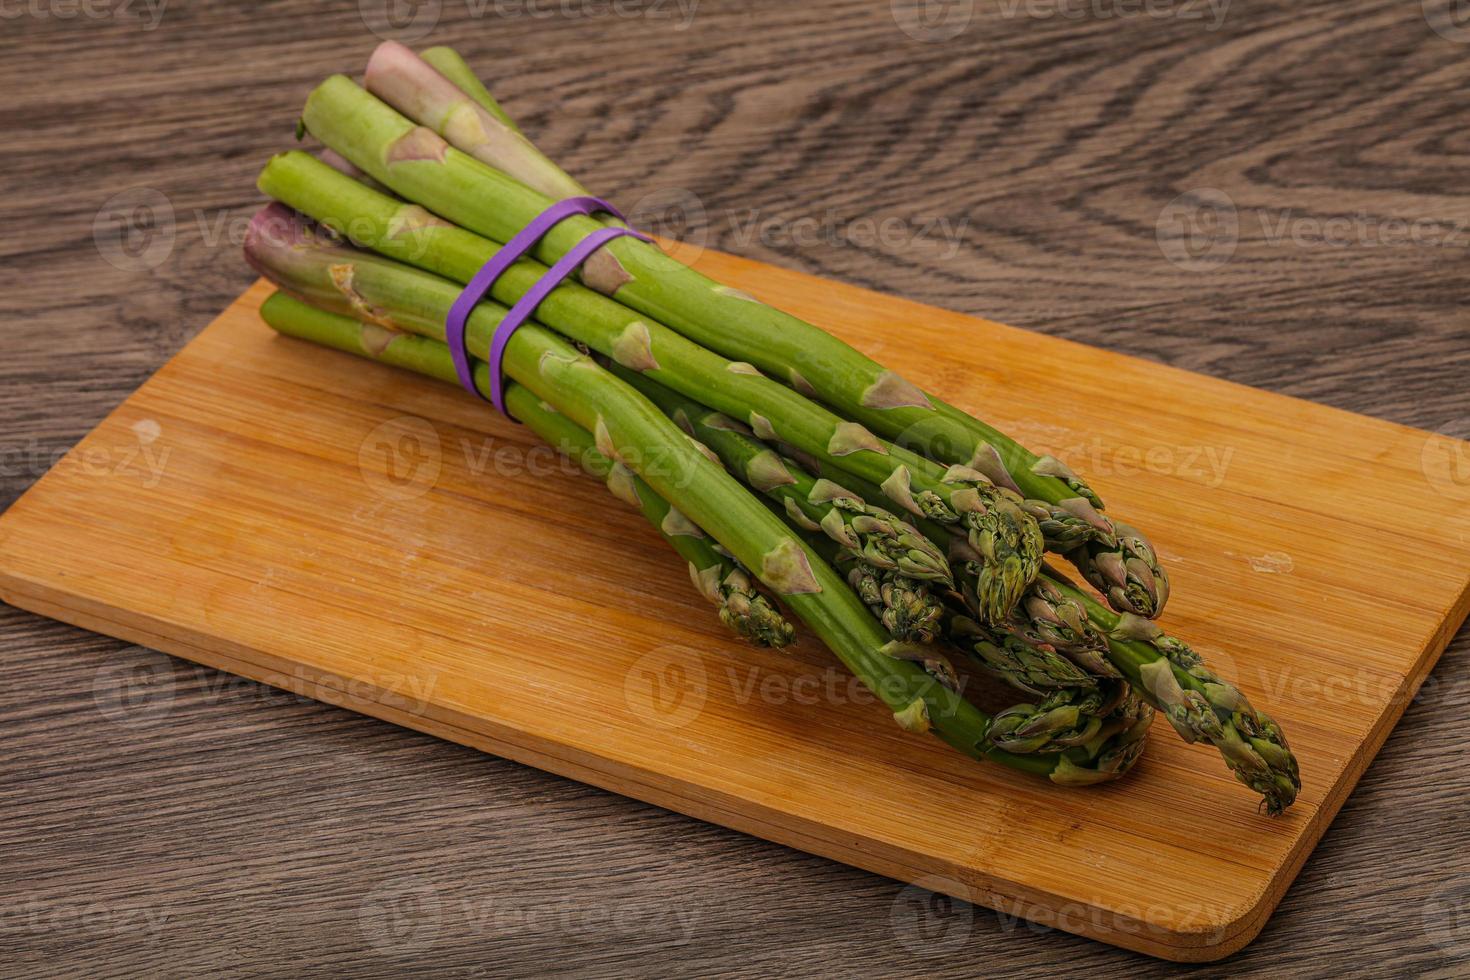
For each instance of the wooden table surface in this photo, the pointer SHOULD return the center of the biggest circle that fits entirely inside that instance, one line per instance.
(1269, 192)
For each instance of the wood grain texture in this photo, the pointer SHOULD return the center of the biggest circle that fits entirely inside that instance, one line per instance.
(256, 826)
(377, 540)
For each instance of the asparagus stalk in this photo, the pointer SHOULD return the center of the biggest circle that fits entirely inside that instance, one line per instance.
(890, 564)
(727, 320)
(406, 81)
(1070, 717)
(1049, 618)
(1049, 647)
(1045, 630)
(448, 63)
(1003, 654)
(1056, 618)
(1048, 623)
(1101, 717)
(880, 538)
(715, 575)
(906, 607)
(1055, 635)
(1048, 641)
(1006, 538)
(401, 303)
(1073, 716)
(1200, 706)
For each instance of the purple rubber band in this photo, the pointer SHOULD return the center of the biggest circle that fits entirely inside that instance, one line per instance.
(525, 308)
(484, 280)
(508, 255)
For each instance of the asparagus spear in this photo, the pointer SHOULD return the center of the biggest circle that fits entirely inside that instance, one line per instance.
(1068, 717)
(878, 537)
(1071, 716)
(1048, 618)
(716, 575)
(1003, 654)
(1056, 618)
(1049, 641)
(1007, 540)
(1091, 704)
(906, 607)
(488, 136)
(1199, 705)
(1050, 646)
(449, 64)
(889, 563)
(913, 684)
(1107, 724)
(734, 323)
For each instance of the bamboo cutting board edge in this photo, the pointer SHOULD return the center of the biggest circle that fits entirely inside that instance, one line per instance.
(1212, 941)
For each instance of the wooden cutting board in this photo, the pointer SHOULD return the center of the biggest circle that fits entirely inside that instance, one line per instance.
(376, 540)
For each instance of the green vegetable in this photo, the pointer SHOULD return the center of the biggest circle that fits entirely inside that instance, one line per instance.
(474, 122)
(1006, 539)
(717, 576)
(723, 319)
(1093, 702)
(1060, 637)
(890, 564)
(820, 430)
(405, 309)
(1200, 706)
(448, 63)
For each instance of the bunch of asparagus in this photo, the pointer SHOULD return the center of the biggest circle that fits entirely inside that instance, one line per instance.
(786, 468)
